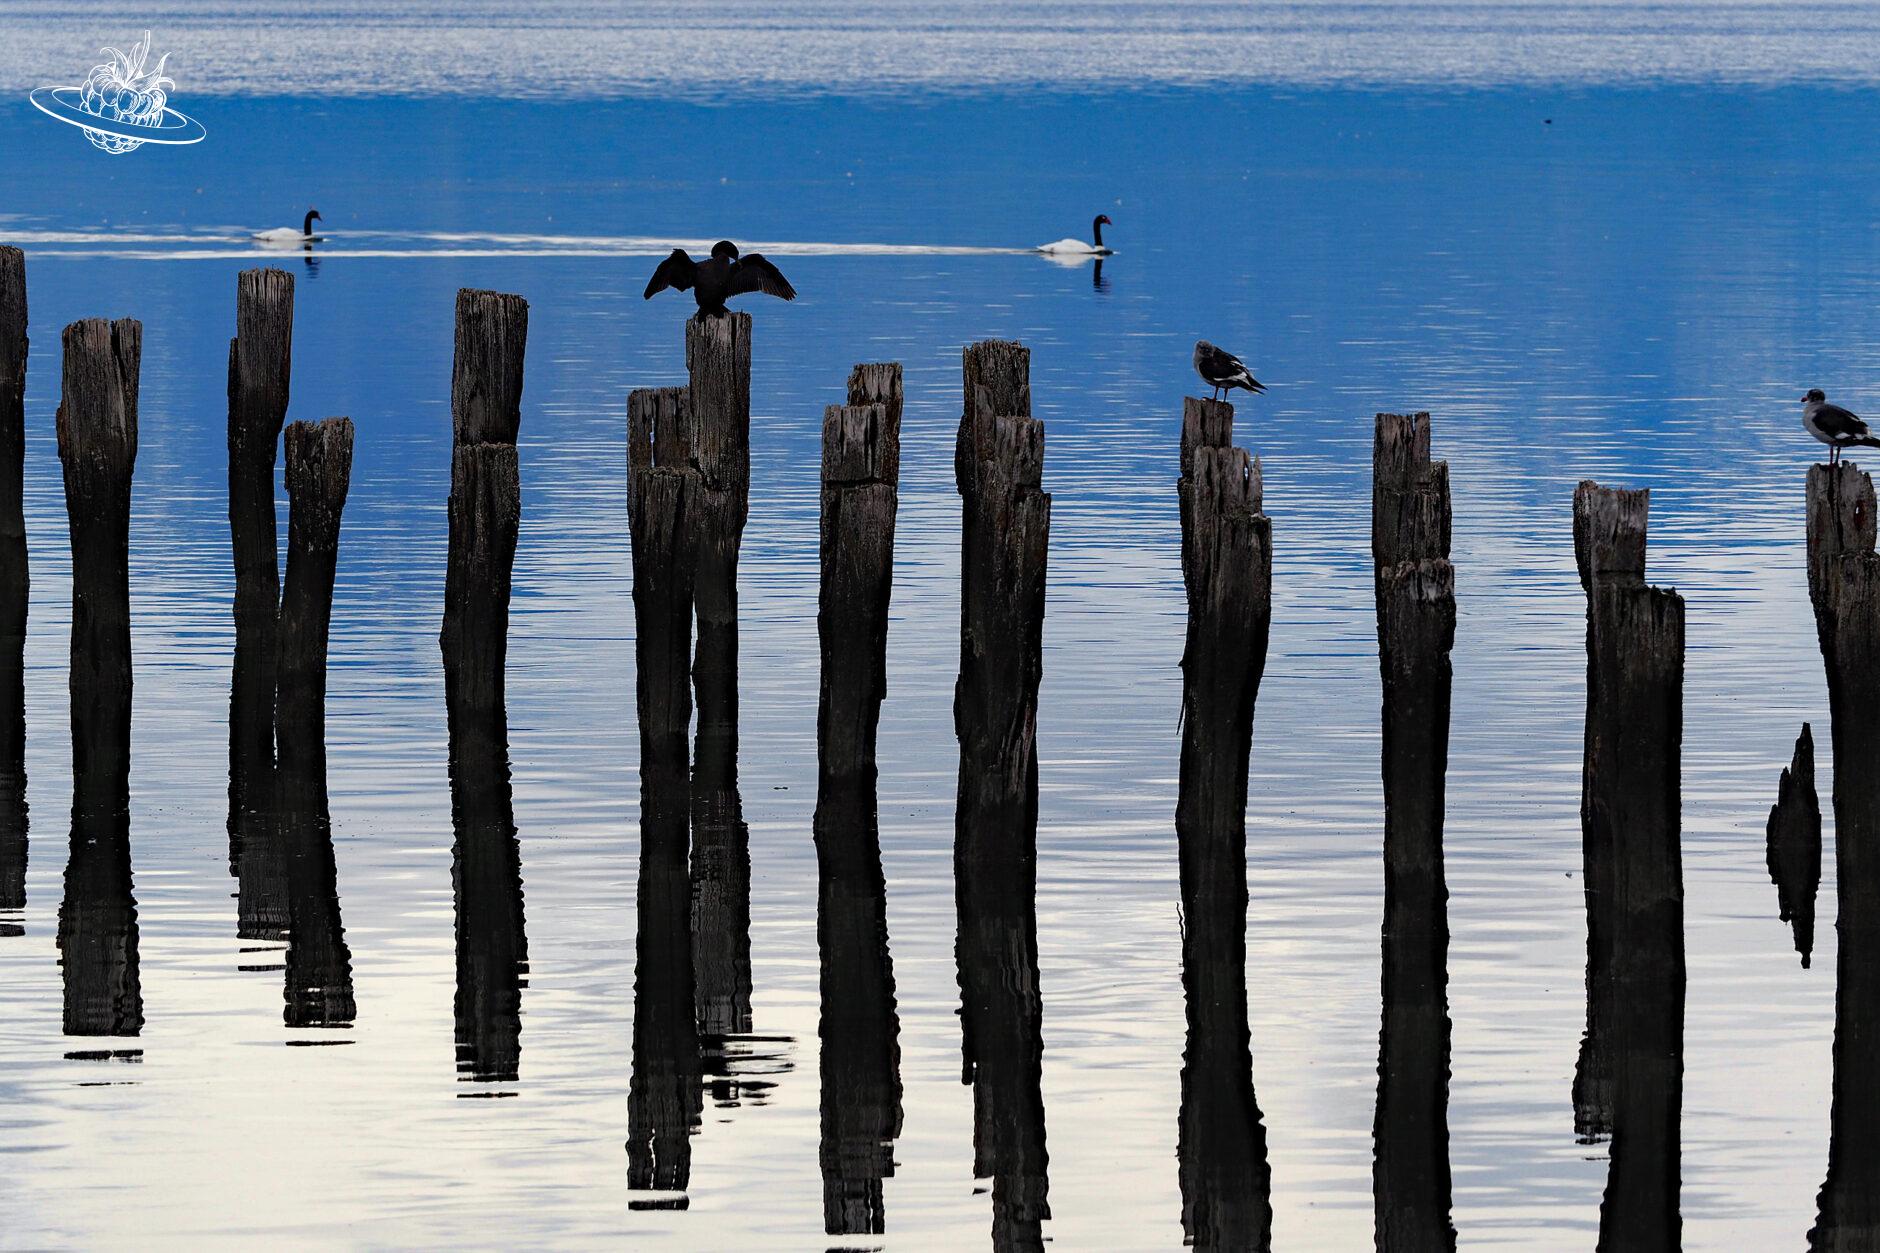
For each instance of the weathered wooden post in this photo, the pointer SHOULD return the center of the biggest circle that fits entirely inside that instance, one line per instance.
(1227, 566)
(1629, 813)
(1844, 583)
(1794, 844)
(13, 579)
(260, 362)
(485, 517)
(718, 356)
(1005, 515)
(859, 1025)
(318, 985)
(486, 879)
(1416, 627)
(485, 495)
(664, 1099)
(97, 429)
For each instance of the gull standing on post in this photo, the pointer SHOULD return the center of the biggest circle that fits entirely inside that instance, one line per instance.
(1834, 426)
(1223, 371)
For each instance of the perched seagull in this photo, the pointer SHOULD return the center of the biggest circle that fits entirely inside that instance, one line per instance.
(1834, 426)
(1223, 371)
(715, 281)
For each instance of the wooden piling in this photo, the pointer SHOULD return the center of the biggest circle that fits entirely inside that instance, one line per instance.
(998, 464)
(97, 431)
(485, 495)
(1794, 845)
(1416, 627)
(1006, 518)
(486, 882)
(260, 362)
(13, 579)
(97, 428)
(861, 460)
(859, 1024)
(1844, 584)
(319, 472)
(318, 984)
(718, 357)
(1227, 566)
(485, 516)
(1630, 1076)
(664, 1097)
(663, 491)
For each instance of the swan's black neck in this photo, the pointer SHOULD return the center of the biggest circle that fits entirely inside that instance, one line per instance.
(1096, 231)
(306, 223)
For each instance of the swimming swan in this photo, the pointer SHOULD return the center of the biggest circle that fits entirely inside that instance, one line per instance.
(287, 235)
(1079, 247)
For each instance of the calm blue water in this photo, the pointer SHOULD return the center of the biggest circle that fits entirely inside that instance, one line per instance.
(1635, 292)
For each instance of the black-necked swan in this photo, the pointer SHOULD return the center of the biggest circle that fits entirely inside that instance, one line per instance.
(1833, 425)
(1078, 247)
(288, 235)
(715, 280)
(1223, 371)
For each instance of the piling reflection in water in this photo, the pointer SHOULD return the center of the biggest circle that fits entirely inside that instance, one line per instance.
(1794, 845)
(486, 876)
(1002, 1037)
(721, 856)
(1849, 1207)
(664, 1099)
(860, 1028)
(13, 817)
(98, 918)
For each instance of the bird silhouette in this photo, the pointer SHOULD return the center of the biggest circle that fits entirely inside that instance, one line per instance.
(1223, 371)
(718, 278)
(1833, 425)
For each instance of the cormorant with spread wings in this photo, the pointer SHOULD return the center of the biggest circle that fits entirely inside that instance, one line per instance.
(724, 275)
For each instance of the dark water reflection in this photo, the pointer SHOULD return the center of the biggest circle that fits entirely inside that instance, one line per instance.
(486, 876)
(859, 1026)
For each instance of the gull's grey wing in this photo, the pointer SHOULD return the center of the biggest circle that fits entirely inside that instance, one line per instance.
(677, 272)
(754, 273)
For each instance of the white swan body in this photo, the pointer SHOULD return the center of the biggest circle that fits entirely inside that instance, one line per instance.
(1094, 247)
(288, 237)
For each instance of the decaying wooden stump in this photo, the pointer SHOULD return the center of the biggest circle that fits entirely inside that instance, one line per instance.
(859, 1024)
(97, 429)
(1630, 1078)
(1844, 584)
(1416, 628)
(485, 495)
(13, 580)
(1227, 565)
(999, 463)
